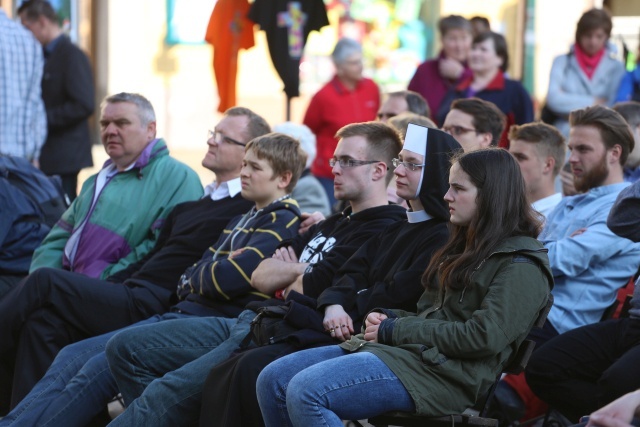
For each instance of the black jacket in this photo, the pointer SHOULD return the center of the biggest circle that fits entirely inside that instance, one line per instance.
(68, 95)
(387, 270)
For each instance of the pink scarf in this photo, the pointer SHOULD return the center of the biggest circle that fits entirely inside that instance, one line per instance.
(587, 63)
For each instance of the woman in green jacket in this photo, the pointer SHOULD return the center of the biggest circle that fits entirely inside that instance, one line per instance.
(484, 289)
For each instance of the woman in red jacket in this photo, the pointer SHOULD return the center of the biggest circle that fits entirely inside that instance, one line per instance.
(347, 98)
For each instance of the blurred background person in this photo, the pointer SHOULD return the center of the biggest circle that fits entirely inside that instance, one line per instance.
(474, 123)
(629, 89)
(401, 101)
(435, 77)
(68, 95)
(489, 60)
(479, 25)
(347, 98)
(308, 192)
(23, 123)
(588, 75)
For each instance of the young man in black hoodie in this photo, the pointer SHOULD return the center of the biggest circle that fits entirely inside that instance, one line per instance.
(182, 353)
(385, 272)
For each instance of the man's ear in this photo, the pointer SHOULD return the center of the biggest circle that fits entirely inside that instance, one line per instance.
(284, 179)
(615, 153)
(549, 164)
(151, 131)
(380, 171)
(485, 139)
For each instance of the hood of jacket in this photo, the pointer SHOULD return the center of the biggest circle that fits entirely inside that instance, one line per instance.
(391, 211)
(284, 203)
(530, 248)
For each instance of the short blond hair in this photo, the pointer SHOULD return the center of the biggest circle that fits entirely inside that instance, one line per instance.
(282, 152)
(548, 140)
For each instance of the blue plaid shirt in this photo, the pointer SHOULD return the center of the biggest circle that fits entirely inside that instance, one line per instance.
(23, 121)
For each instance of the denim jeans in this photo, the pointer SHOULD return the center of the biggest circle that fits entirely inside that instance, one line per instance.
(161, 369)
(75, 388)
(322, 386)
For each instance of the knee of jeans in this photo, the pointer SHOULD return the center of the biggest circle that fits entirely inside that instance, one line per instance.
(115, 349)
(301, 389)
(268, 384)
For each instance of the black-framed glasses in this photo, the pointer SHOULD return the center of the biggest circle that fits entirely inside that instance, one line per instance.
(407, 165)
(349, 163)
(219, 137)
(457, 130)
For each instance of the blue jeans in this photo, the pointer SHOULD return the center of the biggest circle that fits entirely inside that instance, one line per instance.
(322, 386)
(75, 388)
(161, 369)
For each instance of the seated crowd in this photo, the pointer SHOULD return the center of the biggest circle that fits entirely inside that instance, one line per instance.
(391, 265)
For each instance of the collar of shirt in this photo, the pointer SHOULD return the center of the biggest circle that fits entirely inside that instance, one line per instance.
(419, 216)
(224, 189)
(594, 194)
(48, 49)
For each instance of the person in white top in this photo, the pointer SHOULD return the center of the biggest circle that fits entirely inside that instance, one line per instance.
(540, 151)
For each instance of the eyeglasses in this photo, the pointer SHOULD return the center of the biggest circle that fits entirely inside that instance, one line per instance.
(382, 115)
(349, 163)
(218, 137)
(407, 165)
(457, 130)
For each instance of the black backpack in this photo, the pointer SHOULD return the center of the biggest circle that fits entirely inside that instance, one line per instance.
(44, 191)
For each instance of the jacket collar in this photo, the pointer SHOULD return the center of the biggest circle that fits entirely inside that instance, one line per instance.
(340, 88)
(497, 83)
(155, 148)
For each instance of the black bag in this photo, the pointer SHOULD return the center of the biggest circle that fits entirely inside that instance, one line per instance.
(547, 115)
(270, 325)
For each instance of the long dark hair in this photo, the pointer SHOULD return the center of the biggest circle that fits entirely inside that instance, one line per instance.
(503, 211)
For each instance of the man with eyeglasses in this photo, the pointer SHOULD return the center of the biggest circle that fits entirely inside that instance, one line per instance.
(474, 123)
(385, 272)
(401, 101)
(168, 392)
(77, 307)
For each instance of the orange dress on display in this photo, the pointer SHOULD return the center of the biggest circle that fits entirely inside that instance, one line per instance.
(228, 31)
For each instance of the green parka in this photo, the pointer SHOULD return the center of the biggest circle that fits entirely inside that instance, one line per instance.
(449, 355)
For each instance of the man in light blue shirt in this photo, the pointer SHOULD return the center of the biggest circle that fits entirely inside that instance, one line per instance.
(23, 122)
(589, 262)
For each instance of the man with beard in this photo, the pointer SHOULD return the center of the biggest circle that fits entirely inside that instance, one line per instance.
(589, 262)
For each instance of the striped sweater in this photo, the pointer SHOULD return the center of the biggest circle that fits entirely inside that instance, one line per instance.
(220, 284)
